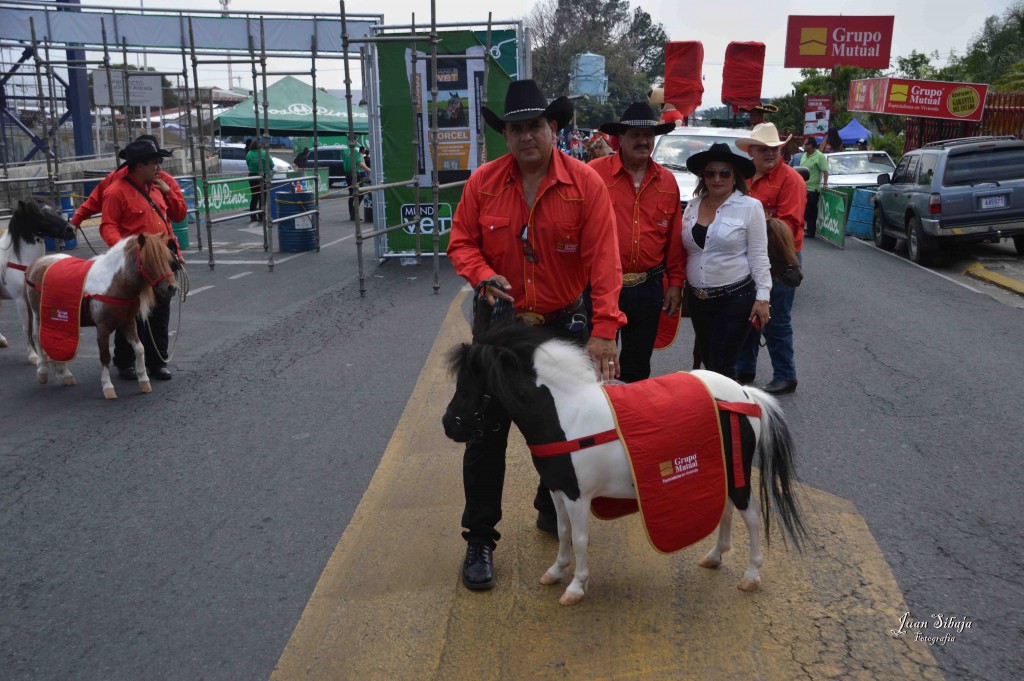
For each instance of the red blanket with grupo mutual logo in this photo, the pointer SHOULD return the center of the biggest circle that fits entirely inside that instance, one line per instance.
(670, 428)
(59, 310)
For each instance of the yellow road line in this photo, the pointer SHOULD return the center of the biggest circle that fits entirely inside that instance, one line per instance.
(982, 273)
(389, 604)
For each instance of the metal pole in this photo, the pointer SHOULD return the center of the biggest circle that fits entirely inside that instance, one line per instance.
(351, 132)
(256, 127)
(267, 166)
(481, 151)
(316, 179)
(110, 84)
(202, 143)
(433, 143)
(185, 100)
(127, 95)
(42, 113)
(417, 124)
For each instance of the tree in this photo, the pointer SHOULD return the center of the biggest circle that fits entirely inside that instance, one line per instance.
(631, 43)
(997, 46)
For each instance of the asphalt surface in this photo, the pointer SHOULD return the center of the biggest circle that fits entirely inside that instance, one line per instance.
(181, 534)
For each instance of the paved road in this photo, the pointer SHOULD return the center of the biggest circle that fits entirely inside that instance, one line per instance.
(182, 534)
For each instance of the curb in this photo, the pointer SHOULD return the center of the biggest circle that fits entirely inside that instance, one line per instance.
(982, 273)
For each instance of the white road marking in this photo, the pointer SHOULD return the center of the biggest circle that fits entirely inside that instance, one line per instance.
(910, 262)
(239, 276)
(277, 261)
(199, 290)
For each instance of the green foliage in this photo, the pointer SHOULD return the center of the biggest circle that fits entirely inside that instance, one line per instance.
(890, 142)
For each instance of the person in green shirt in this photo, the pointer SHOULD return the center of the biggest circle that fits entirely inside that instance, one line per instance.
(256, 162)
(817, 165)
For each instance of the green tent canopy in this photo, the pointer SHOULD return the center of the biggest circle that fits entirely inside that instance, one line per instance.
(290, 112)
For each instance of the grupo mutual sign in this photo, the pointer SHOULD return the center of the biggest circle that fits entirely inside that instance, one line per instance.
(824, 42)
(925, 98)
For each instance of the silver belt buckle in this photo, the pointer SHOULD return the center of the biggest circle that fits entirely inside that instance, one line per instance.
(700, 293)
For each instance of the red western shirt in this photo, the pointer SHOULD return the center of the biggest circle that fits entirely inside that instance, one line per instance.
(784, 195)
(126, 211)
(649, 220)
(570, 227)
(94, 204)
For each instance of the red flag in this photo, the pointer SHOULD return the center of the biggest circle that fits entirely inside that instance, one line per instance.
(742, 75)
(684, 88)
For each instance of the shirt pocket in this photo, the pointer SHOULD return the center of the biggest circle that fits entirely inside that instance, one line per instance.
(662, 217)
(496, 234)
(567, 237)
(732, 231)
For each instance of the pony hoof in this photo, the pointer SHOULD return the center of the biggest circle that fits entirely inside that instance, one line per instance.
(710, 562)
(70, 380)
(3, 343)
(547, 579)
(747, 584)
(570, 598)
(145, 387)
(42, 378)
(33, 360)
(108, 393)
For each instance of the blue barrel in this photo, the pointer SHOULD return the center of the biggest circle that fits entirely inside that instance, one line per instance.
(67, 207)
(294, 238)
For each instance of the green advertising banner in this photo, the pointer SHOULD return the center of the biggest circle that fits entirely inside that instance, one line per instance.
(832, 212)
(234, 196)
(460, 95)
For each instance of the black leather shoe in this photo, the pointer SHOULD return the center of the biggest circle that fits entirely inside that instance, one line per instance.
(160, 373)
(745, 378)
(478, 568)
(547, 523)
(127, 373)
(780, 387)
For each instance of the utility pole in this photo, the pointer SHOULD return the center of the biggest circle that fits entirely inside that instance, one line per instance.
(224, 6)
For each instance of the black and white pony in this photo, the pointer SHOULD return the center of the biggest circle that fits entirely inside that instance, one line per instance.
(19, 246)
(550, 390)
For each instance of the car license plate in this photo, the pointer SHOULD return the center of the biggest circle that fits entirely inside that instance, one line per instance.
(990, 202)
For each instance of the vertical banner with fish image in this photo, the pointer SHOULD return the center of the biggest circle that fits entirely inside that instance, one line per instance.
(459, 82)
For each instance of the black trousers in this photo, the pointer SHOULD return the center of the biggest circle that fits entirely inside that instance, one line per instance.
(642, 306)
(159, 321)
(483, 464)
(721, 326)
(255, 198)
(811, 214)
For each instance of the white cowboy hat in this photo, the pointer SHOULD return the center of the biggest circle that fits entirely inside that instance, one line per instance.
(765, 134)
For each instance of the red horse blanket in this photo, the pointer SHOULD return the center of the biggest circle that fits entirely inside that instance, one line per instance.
(670, 428)
(59, 311)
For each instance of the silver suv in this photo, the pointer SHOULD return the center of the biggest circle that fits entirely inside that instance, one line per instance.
(955, 191)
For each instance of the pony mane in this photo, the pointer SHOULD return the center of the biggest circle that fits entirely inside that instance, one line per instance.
(510, 350)
(20, 224)
(147, 298)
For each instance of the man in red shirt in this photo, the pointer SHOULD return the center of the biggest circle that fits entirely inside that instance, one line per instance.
(648, 216)
(539, 225)
(139, 202)
(784, 195)
(94, 203)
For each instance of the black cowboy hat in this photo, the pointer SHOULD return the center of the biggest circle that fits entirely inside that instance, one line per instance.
(524, 101)
(142, 149)
(638, 115)
(722, 153)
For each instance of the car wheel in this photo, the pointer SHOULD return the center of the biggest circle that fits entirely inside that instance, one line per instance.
(918, 244)
(1018, 243)
(882, 240)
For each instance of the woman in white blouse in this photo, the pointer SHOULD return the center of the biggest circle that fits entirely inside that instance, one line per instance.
(728, 276)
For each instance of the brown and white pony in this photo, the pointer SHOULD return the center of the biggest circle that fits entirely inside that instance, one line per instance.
(19, 246)
(122, 284)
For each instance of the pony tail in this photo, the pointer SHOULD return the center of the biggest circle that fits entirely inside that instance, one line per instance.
(775, 450)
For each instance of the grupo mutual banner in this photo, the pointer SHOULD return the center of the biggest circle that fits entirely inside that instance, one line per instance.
(824, 42)
(924, 98)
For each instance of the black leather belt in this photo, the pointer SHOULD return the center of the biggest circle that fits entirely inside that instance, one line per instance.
(538, 319)
(637, 278)
(721, 291)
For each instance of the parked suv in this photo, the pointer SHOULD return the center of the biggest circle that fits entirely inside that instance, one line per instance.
(334, 157)
(232, 161)
(955, 191)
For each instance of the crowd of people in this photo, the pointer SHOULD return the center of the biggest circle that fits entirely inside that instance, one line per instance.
(593, 244)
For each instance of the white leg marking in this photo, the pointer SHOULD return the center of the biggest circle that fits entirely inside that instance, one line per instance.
(724, 543)
(579, 516)
(555, 572)
(752, 577)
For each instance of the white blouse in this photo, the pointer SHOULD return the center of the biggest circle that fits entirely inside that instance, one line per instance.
(736, 245)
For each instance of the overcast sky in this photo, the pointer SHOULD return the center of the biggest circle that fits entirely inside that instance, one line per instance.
(922, 25)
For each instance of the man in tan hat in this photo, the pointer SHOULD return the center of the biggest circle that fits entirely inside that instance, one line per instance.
(784, 195)
(533, 228)
(648, 216)
(756, 114)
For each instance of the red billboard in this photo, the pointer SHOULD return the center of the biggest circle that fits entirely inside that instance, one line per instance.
(824, 42)
(925, 98)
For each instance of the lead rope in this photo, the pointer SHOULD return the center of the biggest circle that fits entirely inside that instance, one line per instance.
(183, 289)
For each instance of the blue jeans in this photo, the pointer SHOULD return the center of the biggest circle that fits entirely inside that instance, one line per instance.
(778, 336)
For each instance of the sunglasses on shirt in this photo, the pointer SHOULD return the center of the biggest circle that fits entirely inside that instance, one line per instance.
(724, 173)
(528, 251)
